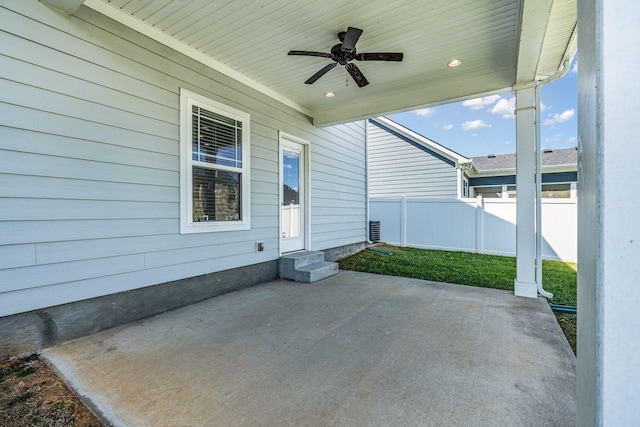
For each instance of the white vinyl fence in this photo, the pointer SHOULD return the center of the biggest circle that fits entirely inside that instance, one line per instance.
(473, 225)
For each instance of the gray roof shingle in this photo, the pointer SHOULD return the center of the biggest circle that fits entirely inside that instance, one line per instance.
(566, 156)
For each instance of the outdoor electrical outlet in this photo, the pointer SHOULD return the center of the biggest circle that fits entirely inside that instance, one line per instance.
(259, 246)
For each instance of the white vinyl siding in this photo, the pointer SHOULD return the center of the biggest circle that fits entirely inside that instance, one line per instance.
(90, 163)
(399, 168)
(338, 195)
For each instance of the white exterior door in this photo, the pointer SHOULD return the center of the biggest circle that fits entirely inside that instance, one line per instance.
(293, 197)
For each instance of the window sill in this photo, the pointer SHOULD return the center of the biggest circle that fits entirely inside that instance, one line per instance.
(201, 227)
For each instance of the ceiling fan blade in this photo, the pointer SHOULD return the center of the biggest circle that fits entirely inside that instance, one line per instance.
(321, 73)
(380, 56)
(357, 75)
(350, 39)
(307, 53)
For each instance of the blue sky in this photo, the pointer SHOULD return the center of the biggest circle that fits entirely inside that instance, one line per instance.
(486, 125)
(291, 165)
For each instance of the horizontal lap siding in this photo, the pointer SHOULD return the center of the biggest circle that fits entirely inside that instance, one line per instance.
(89, 163)
(398, 168)
(338, 193)
(338, 189)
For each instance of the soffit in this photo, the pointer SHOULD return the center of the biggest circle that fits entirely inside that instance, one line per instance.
(252, 38)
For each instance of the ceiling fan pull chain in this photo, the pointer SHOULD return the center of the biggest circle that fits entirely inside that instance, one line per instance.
(346, 80)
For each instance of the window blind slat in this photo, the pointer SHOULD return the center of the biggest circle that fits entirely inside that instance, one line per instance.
(216, 139)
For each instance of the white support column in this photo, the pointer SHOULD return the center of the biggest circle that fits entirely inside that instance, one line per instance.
(525, 282)
(608, 225)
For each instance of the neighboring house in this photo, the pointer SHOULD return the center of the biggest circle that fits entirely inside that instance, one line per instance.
(494, 176)
(402, 162)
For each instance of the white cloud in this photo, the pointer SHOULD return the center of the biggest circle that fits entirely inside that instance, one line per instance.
(574, 69)
(507, 143)
(424, 112)
(505, 107)
(480, 103)
(288, 166)
(475, 124)
(447, 127)
(573, 140)
(560, 117)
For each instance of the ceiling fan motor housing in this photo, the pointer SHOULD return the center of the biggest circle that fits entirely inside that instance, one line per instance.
(340, 56)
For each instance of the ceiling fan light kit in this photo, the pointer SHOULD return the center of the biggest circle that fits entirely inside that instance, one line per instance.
(345, 52)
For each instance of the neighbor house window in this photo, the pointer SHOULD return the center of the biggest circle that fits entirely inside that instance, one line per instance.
(488, 192)
(556, 191)
(465, 187)
(214, 166)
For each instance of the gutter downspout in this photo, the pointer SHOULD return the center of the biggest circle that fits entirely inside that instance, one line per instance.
(541, 290)
(560, 73)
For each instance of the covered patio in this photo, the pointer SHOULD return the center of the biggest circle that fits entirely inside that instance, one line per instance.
(237, 52)
(356, 349)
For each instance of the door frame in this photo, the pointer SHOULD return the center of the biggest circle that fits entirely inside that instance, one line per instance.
(306, 233)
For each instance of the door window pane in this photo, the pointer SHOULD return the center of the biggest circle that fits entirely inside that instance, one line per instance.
(290, 193)
(291, 177)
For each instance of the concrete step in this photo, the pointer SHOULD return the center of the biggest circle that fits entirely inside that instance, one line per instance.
(291, 262)
(306, 266)
(314, 272)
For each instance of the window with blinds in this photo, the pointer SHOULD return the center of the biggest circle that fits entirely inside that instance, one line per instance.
(215, 138)
(214, 166)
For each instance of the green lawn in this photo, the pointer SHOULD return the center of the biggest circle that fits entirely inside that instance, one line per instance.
(464, 268)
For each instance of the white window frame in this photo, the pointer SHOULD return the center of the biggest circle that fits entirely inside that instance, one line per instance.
(187, 225)
(465, 187)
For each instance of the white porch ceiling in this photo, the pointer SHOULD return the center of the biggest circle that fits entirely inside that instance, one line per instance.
(502, 43)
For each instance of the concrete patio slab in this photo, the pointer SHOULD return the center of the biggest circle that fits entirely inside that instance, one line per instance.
(354, 349)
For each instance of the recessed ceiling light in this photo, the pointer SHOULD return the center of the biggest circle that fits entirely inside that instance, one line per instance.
(454, 62)
(330, 94)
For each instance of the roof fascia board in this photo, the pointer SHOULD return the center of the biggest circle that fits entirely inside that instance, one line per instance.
(567, 57)
(565, 62)
(512, 171)
(67, 6)
(533, 27)
(434, 146)
(510, 179)
(163, 38)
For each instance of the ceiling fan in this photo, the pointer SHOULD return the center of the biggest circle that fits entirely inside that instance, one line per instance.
(345, 52)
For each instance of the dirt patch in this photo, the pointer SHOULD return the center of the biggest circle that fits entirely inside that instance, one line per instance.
(568, 323)
(32, 395)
